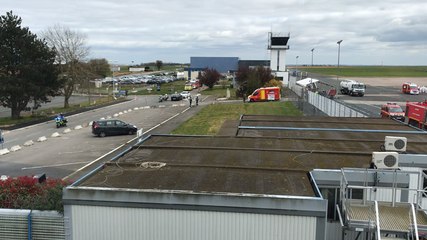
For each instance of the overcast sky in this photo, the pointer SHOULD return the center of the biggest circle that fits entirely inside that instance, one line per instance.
(388, 32)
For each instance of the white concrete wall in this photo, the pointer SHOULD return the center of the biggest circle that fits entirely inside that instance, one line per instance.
(281, 58)
(282, 61)
(94, 222)
(273, 60)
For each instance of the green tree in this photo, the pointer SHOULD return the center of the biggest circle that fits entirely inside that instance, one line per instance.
(27, 69)
(250, 79)
(100, 67)
(159, 65)
(71, 51)
(209, 77)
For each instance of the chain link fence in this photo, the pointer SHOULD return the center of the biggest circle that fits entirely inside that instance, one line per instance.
(312, 103)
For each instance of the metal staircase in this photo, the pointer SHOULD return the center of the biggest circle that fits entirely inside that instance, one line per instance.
(374, 219)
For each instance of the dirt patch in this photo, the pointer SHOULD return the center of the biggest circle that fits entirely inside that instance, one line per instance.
(390, 81)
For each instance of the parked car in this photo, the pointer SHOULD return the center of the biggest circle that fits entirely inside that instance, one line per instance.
(185, 94)
(176, 97)
(102, 128)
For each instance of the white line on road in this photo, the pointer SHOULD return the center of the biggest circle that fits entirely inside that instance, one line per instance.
(54, 165)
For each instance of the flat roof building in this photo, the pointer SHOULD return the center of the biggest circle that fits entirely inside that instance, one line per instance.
(251, 185)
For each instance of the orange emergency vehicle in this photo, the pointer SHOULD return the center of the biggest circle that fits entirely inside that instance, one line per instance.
(265, 94)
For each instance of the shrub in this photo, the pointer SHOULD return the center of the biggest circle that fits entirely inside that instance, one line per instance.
(27, 193)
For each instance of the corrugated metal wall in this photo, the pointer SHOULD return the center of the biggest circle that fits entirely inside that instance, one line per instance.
(44, 225)
(334, 232)
(92, 222)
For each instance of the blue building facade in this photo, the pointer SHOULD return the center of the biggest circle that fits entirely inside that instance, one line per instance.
(221, 64)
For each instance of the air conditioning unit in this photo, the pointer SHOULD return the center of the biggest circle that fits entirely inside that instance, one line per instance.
(385, 160)
(397, 144)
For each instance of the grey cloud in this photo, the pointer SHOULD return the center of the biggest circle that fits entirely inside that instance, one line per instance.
(180, 29)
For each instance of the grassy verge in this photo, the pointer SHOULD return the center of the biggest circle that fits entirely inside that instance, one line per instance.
(44, 113)
(210, 119)
(220, 92)
(369, 71)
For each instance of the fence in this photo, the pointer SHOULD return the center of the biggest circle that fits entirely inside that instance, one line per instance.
(328, 106)
(28, 224)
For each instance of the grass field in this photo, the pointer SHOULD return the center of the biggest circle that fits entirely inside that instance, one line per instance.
(43, 113)
(210, 119)
(369, 71)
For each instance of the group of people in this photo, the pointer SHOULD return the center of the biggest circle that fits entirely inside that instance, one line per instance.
(190, 100)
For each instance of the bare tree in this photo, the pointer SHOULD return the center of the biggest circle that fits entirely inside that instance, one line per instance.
(71, 51)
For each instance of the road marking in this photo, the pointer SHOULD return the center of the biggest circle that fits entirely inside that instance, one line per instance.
(92, 162)
(158, 125)
(54, 165)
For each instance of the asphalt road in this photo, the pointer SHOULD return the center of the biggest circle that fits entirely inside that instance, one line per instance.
(61, 156)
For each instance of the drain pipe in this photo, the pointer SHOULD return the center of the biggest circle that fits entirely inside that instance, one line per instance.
(30, 224)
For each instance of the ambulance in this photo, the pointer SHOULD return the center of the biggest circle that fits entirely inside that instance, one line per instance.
(265, 94)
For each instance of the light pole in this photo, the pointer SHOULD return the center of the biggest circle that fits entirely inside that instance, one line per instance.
(339, 48)
(312, 50)
(296, 66)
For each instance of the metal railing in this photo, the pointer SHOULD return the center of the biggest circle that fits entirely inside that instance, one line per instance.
(31, 224)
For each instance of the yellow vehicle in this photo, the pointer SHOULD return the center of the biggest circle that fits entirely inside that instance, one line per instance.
(188, 87)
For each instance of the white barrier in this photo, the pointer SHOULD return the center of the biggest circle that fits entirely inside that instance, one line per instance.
(29, 143)
(78, 127)
(42, 139)
(116, 115)
(120, 113)
(136, 108)
(67, 130)
(4, 151)
(15, 148)
(55, 134)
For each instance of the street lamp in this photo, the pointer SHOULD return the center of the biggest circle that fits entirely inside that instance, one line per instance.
(339, 48)
(312, 50)
(296, 66)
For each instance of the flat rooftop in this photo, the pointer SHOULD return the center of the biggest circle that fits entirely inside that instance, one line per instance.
(256, 161)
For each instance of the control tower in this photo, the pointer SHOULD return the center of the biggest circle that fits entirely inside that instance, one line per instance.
(278, 44)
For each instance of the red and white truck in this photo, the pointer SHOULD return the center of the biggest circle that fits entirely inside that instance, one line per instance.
(410, 88)
(265, 94)
(416, 112)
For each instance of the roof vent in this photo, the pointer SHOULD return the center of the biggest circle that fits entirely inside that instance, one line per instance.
(153, 165)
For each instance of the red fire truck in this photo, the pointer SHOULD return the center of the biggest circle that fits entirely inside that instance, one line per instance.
(392, 110)
(416, 112)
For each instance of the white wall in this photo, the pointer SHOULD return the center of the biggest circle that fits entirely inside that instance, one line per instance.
(273, 60)
(94, 222)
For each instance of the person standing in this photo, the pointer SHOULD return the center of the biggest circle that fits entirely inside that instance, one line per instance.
(197, 100)
(190, 100)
